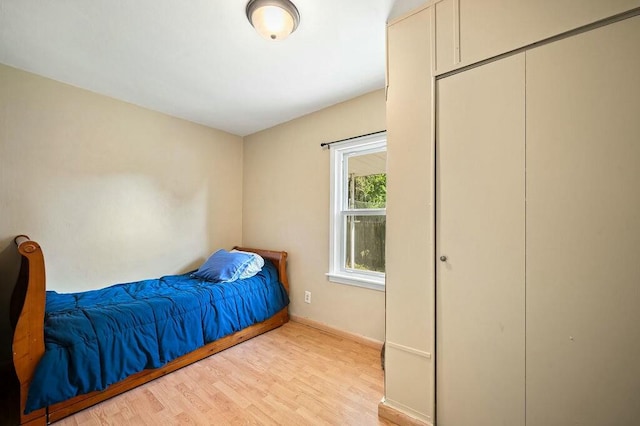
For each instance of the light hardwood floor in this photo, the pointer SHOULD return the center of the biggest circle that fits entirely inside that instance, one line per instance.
(294, 375)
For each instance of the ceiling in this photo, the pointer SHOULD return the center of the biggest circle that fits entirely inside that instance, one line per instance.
(367, 164)
(200, 59)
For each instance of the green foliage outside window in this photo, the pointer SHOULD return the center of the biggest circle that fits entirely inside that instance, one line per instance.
(366, 235)
(369, 192)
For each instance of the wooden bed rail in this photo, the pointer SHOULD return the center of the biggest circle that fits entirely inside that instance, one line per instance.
(27, 320)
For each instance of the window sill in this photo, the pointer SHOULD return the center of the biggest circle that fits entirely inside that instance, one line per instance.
(357, 280)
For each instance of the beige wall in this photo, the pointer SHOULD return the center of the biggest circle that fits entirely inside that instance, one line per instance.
(113, 192)
(286, 206)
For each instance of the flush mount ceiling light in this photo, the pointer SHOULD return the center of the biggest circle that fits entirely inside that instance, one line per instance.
(273, 19)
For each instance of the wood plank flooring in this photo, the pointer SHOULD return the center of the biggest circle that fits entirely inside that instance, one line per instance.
(294, 375)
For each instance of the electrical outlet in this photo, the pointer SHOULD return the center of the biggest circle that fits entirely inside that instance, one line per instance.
(307, 297)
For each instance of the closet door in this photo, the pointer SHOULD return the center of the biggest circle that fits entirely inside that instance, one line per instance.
(480, 293)
(583, 229)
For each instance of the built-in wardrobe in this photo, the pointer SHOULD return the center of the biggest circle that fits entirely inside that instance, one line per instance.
(536, 212)
(538, 235)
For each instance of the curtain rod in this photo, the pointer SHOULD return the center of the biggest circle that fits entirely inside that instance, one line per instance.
(328, 144)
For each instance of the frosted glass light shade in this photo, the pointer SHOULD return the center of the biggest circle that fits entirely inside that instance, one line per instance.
(273, 19)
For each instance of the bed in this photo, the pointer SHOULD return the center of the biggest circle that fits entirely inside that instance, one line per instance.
(221, 329)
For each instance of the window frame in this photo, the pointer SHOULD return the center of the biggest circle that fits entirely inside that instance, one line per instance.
(340, 153)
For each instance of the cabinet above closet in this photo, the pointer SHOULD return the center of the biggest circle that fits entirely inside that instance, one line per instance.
(468, 31)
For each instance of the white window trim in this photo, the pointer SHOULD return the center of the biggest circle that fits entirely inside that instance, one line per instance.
(339, 151)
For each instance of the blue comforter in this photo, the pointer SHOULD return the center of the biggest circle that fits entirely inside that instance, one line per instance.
(96, 338)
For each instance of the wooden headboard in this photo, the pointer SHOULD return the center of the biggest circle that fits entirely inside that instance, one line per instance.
(27, 318)
(279, 258)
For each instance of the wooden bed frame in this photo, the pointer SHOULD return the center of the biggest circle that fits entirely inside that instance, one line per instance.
(27, 320)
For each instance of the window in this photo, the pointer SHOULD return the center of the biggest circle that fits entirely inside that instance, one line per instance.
(358, 211)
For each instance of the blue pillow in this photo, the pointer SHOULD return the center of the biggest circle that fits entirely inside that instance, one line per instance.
(223, 266)
(255, 266)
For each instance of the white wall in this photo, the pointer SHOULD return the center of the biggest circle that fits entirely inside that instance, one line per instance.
(112, 192)
(286, 206)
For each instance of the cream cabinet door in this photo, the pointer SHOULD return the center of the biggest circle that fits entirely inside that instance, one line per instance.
(480, 226)
(583, 229)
